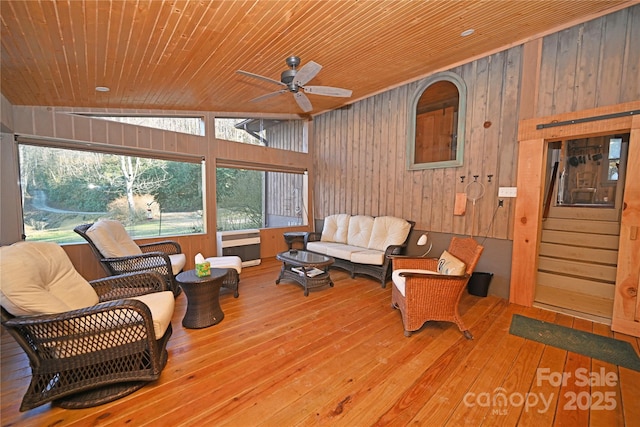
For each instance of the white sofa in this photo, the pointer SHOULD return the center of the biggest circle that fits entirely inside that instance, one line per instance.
(361, 244)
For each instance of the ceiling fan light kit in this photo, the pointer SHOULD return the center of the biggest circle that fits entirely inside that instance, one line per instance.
(295, 79)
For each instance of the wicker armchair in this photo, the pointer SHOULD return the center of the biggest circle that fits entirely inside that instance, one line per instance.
(164, 257)
(423, 294)
(88, 355)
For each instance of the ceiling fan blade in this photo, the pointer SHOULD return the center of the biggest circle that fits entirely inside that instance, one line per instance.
(306, 73)
(268, 95)
(303, 101)
(258, 76)
(328, 91)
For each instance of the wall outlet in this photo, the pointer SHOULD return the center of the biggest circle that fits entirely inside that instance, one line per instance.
(507, 191)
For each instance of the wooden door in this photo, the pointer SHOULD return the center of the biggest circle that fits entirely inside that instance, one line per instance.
(578, 252)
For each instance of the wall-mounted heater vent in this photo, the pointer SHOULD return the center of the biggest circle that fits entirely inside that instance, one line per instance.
(242, 243)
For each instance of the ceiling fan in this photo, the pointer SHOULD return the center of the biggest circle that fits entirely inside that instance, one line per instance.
(294, 79)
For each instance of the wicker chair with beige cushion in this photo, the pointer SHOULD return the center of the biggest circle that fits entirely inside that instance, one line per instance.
(119, 254)
(88, 343)
(427, 289)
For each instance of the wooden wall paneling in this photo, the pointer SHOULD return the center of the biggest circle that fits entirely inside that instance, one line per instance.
(365, 123)
(378, 204)
(334, 164)
(352, 156)
(490, 153)
(612, 63)
(397, 149)
(475, 145)
(63, 126)
(589, 59)
(565, 69)
(547, 76)
(437, 196)
(502, 227)
(366, 146)
(526, 234)
(631, 70)
(530, 66)
(99, 130)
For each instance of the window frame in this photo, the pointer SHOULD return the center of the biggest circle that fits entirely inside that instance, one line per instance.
(455, 79)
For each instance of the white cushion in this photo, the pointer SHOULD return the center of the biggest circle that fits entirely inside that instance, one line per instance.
(369, 256)
(322, 247)
(400, 281)
(450, 265)
(229, 261)
(161, 305)
(335, 228)
(112, 240)
(39, 278)
(178, 262)
(360, 227)
(387, 231)
(342, 251)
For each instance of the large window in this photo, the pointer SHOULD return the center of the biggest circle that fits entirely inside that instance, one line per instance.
(62, 188)
(253, 198)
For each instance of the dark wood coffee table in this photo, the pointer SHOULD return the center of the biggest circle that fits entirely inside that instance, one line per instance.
(203, 306)
(306, 262)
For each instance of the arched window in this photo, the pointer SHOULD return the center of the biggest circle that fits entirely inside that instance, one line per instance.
(436, 123)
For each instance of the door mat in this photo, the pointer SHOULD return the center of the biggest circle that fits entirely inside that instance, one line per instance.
(591, 345)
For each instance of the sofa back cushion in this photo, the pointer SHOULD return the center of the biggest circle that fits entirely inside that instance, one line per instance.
(387, 231)
(360, 227)
(335, 228)
(39, 278)
(112, 240)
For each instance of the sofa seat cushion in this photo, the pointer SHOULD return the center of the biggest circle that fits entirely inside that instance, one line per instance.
(322, 247)
(387, 231)
(369, 256)
(400, 281)
(343, 251)
(335, 228)
(360, 227)
(39, 278)
(112, 240)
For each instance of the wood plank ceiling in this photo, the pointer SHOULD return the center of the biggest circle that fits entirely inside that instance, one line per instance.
(182, 55)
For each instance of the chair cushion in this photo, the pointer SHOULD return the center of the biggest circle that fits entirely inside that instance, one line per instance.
(360, 227)
(228, 261)
(112, 240)
(335, 228)
(387, 231)
(161, 305)
(400, 282)
(322, 247)
(39, 278)
(450, 265)
(178, 262)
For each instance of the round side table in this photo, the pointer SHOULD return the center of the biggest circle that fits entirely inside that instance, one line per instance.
(203, 306)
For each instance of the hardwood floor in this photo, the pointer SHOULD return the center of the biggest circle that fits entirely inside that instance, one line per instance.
(339, 357)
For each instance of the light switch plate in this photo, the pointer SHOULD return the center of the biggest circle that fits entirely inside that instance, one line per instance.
(507, 191)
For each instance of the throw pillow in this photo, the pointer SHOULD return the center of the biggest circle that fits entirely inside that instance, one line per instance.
(450, 265)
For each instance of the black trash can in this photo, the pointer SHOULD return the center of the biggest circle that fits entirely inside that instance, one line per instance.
(479, 284)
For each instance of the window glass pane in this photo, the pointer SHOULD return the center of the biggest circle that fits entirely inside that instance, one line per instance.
(615, 144)
(249, 199)
(275, 133)
(64, 188)
(188, 125)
